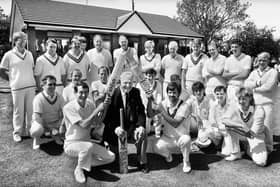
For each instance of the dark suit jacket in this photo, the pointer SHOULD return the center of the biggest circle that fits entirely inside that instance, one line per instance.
(134, 115)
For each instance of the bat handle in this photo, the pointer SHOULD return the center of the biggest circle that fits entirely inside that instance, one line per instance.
(121, 118)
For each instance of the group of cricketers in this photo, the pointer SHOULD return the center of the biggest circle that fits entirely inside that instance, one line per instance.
(192, 102)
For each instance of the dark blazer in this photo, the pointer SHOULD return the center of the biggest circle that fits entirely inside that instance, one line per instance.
(134, 115)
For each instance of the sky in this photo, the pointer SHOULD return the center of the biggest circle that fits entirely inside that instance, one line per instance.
(262, 12)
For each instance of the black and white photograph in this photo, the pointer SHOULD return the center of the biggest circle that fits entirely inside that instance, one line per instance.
(139, 93)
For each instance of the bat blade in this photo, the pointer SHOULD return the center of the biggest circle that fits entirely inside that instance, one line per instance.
(123, 155)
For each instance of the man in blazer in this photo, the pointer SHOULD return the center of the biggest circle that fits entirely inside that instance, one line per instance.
(127, 97)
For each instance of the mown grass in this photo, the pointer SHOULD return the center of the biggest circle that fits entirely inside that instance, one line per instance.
(49, 166)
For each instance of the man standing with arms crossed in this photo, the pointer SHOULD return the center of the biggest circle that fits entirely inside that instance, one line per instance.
(236, 70)
(263, 81)
(17, 66)
(213, 69)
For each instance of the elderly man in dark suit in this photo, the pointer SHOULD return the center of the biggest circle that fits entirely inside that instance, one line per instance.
(127, 97)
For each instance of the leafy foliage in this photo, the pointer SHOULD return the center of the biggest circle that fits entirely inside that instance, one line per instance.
(4, 32)
(256, 40)
(209, 17)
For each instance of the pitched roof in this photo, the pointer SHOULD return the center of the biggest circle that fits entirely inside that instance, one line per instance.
(68, 14)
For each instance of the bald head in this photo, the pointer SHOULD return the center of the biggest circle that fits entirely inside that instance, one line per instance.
(173, 47)
(97, 40)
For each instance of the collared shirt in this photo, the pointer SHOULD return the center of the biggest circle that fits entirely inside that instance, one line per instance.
(217, 112)
(263, 94)
(172, 66)
(182, 111)
(214, 64)
(51, 98)
(261, 73)
(117, 53)
(80, 62)
(98, 86)
(237, 65)
(20, 68)
(194, 67)
(22, 55)
(199, 109)
(52, 58)
(74, 114)
(68, 93)
(255, 121)
(154, 62)
(124, 95)
(50, 65)
(49, 108)
(98, 59)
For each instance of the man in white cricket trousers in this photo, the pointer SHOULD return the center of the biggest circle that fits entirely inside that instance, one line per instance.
(263, 81)
(175, 136)
(236, 70)
(81, 116)
(17, 66)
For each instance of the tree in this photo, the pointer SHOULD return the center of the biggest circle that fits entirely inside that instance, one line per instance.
(4, 32)
(210, 17)
(256, 40)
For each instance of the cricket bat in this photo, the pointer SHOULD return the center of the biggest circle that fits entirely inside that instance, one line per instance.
(125, 59)
(113, 79)
(123, 157)
(240, 130)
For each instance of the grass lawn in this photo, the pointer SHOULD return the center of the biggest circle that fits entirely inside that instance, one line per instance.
(49, 166)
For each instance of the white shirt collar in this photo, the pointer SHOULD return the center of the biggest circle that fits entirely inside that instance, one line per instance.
(19, 53)
(241, 56)
(79, 55)
(250, 110)
(48, 96)
(52, 58)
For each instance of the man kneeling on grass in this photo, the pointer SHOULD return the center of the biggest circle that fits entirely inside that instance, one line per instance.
(81, 116)
(173, 114)
(47, 112)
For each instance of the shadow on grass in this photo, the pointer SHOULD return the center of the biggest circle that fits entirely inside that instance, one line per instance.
(100, 175)
(200, 161)
(157, 162)
(52, 148)
(274, 157)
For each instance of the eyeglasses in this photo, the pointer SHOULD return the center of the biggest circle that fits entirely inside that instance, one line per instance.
(52, 84)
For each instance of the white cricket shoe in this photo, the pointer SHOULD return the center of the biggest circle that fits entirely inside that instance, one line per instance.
(186, 167)
(79, 175)
(233, 157)
(17, 138)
